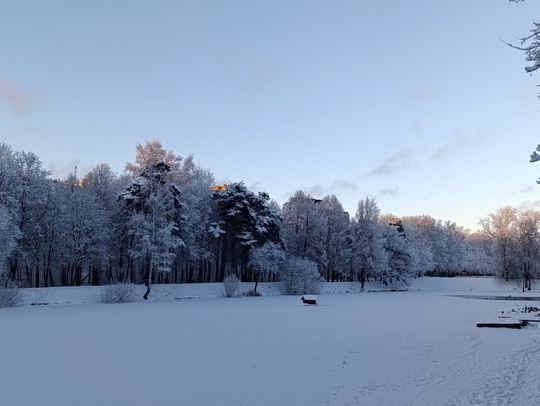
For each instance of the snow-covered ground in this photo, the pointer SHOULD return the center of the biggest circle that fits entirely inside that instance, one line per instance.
(419, 347)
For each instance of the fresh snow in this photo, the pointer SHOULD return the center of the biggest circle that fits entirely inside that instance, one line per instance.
(416, 347)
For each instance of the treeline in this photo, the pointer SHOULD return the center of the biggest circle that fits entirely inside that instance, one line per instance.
(162, 221)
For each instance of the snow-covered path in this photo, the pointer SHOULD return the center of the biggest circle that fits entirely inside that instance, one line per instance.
(397, 348)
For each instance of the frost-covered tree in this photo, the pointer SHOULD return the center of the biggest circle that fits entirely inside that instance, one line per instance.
(399, 264)
(152, 153)
(105, 185)
(298, 219)
(420, 247)
(306, 227)
(300, 276)
(528, 241)
(437, 248)
(153, 217)
(332, 234)
(366, 241)
(265, 261)
(84, 231)
(454, 249)
(196, 259)
(535, 157)
(500, 225)
(479, 256)
(530, 45)
(9, 234)
(25, 190)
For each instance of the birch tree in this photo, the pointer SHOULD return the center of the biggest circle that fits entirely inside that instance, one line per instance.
(370, 259)
(528, 240)
(500, 226)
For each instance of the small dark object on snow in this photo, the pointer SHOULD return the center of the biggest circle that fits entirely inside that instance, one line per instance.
(309, 299)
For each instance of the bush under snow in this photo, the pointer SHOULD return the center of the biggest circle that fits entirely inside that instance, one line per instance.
(231, 284)
(301, 277)
(118, 293)
(10, 294)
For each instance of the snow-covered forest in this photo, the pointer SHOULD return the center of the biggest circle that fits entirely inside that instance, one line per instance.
(164, 220)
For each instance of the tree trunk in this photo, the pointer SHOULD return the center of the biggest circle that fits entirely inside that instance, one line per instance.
(256, 282)
(37, 278)
(148, 281)
(224, 247)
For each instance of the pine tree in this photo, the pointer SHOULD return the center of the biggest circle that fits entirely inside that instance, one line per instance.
(244, 220)
(152, 213)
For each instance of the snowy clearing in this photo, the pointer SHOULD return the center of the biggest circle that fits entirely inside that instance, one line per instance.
(419, 347)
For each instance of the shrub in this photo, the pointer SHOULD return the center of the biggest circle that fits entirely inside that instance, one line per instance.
(252, 293)
(10, 294)
(118, 293)
(231, 284)
(301, 277)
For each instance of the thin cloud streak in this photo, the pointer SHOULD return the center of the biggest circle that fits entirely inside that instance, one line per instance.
(336, 187)
(528, 205)
(459, 144)
(18, 101)
(394, 191)
(398, 161)
(528, 189)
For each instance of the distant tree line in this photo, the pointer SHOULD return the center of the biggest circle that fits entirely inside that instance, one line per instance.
(163, 222)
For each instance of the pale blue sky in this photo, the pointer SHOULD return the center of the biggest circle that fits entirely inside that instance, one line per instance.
(418, 104)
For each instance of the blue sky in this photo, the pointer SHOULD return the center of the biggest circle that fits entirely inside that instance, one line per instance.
(418, 104)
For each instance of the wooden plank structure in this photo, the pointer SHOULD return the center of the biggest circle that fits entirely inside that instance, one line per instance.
(309, 299)
(504, 324)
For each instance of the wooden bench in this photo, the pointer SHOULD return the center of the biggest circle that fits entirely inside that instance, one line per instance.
(309, 299)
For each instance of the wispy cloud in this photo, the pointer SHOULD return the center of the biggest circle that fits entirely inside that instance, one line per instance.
(18, 101)
(528, 205)
(336, 187)
(397, 162)
(526, 190)
(460, 143)
(393, 191)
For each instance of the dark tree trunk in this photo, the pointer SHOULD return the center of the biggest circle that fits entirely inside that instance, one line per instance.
(37, 278)
(147, 284)
(362, 278)
(147, 280)
(256, 278)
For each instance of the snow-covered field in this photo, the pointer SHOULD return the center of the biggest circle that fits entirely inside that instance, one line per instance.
(419, 347)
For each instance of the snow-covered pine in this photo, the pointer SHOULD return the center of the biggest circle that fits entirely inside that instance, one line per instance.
(243, 220)
(154, 220)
